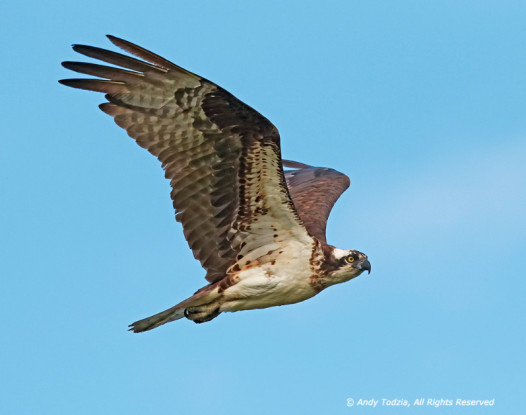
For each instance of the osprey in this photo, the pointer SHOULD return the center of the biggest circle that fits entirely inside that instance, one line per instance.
(258, 231)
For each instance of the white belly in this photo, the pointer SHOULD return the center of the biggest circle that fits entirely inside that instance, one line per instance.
(271, 284)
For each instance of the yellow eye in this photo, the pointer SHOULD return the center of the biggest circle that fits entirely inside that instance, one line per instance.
(350, 258)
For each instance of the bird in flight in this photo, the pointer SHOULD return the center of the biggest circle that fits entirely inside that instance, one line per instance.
(257, 229)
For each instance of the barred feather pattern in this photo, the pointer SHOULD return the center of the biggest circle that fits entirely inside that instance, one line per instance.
(222, 158)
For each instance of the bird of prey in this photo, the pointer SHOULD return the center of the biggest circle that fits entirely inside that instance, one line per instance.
(258, 231)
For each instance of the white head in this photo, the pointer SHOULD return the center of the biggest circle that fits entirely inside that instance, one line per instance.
(345, 264)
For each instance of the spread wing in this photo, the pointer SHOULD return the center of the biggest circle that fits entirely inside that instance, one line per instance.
(222, 158)
(314, 191)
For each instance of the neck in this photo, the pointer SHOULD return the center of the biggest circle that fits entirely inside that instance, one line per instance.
(322, 263)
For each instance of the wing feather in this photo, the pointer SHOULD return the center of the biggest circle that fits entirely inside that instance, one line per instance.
(222, 158)
(314, 191)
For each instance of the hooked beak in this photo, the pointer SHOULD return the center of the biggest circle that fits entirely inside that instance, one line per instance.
(365, 265)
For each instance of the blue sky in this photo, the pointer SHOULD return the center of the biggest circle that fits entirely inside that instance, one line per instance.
(422, 104)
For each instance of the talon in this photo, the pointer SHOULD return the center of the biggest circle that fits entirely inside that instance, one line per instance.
(201, 314)
(189, 311)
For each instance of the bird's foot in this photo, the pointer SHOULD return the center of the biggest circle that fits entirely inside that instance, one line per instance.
(201, 314)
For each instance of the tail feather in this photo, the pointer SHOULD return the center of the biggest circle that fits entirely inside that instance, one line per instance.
(174, 313)
(203, 305)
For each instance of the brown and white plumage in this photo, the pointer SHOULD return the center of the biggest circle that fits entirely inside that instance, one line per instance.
(243, 217)
(314, 191)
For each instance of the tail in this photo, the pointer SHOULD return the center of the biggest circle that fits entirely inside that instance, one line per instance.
(174, 313)
(201, 307)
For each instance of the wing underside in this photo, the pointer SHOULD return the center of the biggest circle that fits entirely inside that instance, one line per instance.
(222, 157)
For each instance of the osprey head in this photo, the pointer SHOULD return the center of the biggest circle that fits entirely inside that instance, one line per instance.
(346, 264)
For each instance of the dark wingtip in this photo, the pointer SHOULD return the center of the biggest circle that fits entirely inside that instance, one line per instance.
(113, 39)
(73, 83)
(69, 65)
(82, 49)
(119, 42)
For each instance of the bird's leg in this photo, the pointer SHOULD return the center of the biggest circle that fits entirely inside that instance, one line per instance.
(202, 314)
